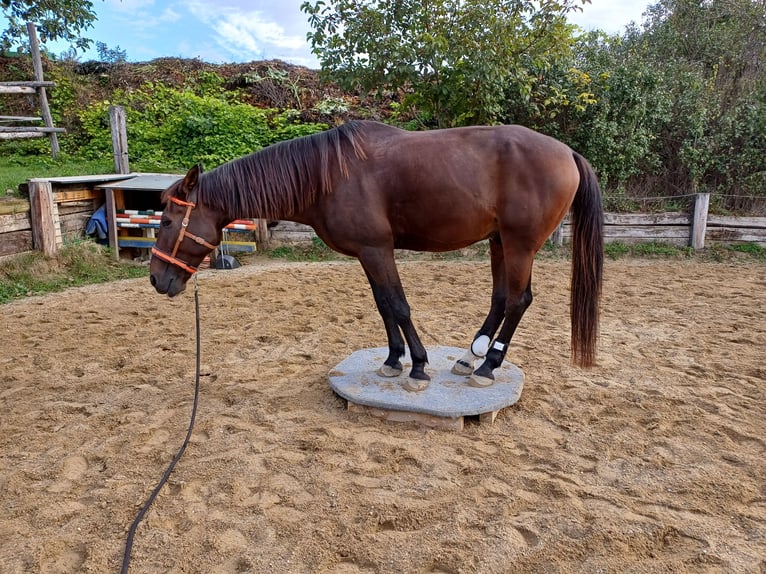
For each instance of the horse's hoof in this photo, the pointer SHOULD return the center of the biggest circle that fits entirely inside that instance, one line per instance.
(386, 371)
(480, 382)
(415, 385)
(462, 368)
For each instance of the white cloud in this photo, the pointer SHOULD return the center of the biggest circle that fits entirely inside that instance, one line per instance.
(609, 15)
(245, 34)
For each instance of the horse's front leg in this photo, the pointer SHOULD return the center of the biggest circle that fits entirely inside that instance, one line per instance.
(392, 366)
(393, 307)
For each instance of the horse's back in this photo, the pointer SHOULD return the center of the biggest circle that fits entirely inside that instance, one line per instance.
(441, 190)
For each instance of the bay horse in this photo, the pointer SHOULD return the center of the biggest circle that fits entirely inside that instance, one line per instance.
(367, 188)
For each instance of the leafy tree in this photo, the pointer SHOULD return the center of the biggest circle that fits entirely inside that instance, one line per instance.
(712, 53)
(54, 19)
(111, 55)
(451, 59)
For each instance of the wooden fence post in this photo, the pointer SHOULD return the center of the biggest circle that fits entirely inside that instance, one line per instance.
(262, 238)
(119, 139)
(557, 237)
(42, 207)
(699, 223)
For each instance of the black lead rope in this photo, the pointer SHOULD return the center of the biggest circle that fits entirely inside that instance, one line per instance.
(163, 480)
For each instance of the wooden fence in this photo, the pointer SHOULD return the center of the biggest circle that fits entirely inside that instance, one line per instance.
(74, 200)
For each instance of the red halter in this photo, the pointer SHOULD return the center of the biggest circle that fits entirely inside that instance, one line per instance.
(184, 233)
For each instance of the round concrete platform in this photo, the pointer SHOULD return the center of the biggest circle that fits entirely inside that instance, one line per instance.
(356, 380)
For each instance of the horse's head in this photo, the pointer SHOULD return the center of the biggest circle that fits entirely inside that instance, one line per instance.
(188, 232)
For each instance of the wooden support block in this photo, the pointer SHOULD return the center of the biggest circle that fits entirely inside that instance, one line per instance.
(442, 423)
(488, 418)
(42, 213)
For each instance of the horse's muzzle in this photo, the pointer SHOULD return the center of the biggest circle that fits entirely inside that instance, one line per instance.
(167, 285)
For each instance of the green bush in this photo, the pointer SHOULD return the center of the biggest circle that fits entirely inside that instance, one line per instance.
(175, 129)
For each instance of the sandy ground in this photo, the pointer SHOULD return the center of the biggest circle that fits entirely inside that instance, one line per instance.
(655, 461)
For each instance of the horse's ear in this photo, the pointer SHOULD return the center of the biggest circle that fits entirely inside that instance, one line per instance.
(191, 178)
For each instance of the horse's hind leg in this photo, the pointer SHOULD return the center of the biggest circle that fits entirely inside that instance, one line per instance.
(478, 349)
(518, 300)
(380, 267)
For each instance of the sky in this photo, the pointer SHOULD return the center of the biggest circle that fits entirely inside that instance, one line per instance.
(229, 31)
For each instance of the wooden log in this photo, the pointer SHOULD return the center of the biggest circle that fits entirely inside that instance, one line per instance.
(16, 129)
(119, 138)
(28, 84)
(37, 63)
(17, 90)
(699, 223)
(42, 210)
(21, 135)
(19, 119)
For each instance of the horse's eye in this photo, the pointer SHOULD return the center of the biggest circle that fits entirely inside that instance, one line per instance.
(166, 222)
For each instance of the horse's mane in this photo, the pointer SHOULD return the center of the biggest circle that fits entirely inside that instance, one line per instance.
(283, 178)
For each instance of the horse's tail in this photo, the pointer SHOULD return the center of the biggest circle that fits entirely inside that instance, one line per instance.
(587, 264)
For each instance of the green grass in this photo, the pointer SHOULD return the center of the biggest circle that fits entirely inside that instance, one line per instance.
(752, 249)
(79, 263)
(17, 169)
(654, 249)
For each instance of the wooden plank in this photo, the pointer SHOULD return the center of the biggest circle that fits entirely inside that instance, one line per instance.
(735, 235)
(148, 243)
(643, 233)
(16, 242)
(77, 206)
(11, 206)
(57, 226)
(639, 219)
(73, 224)
(15, 222)
(70, 195)
(42, 215)
(83, 179)
(431, 421)
(730, 221)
